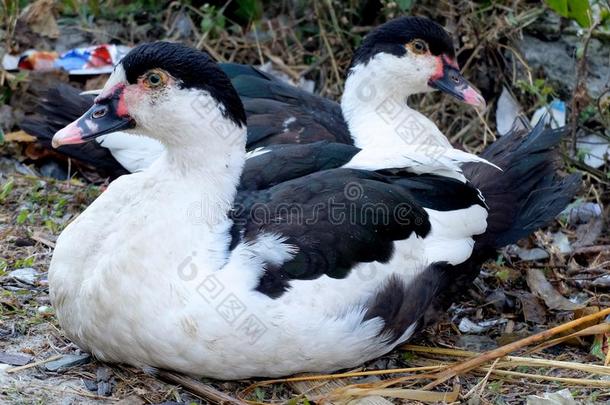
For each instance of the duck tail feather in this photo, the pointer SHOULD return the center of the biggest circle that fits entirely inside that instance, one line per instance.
(528, 193)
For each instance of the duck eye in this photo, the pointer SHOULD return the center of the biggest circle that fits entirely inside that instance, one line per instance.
(99, 112)
(154, 79)
(455, 77)
(418, 46)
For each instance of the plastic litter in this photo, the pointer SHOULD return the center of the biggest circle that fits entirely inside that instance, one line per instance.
(553, 114)
(90, 60)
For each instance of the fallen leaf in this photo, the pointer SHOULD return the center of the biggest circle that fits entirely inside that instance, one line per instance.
(540, 286)
(533, 311)
(40, 17)
(587, 234)
(563, 397)
(19, 136)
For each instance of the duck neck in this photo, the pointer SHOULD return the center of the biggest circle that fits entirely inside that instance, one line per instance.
(377, 114)
(206, 161)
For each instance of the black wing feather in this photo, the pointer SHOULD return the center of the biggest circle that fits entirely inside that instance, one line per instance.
(335, 218)
(281, 163)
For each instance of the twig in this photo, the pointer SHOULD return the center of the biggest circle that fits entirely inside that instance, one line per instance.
(579, 87)
(282, 66)
(43, 240)
(329, 48)
(326, 377)
(198, 388)
(402, 393)
(212, 52)
(468, 365)
(592, 249)
(36, 363)
(573, 381)
(486, 127)
(599, 329)
(514, 361)
(258, 46)
(480, 386)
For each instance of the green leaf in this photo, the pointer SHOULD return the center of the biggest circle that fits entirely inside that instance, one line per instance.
(7, 188)
(405, 5)
(260, 394)
(577, 10)
(503, 275)
(559, 6)
(597, 348)
(580, 11)
(22, 217)
(604, 15)
(249, 10)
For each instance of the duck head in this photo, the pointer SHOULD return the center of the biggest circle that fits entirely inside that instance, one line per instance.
(405, 56)
(167, 91)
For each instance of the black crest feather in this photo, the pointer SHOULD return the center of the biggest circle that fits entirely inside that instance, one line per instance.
(392, 36)
(193, 68)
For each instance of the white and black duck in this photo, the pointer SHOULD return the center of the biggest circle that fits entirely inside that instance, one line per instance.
(200, 266)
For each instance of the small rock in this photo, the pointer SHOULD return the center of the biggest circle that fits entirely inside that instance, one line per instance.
(476, 343)
(563, 397)
(498, 299)
(70, 360)
(44, 309)
(90, 385)
(27, 275)
(530, 255)
(467, 326)
(104, 381)
(7, 120)
(9, 166)
(603, 281)
(53, 170)
(580, 212)
(14, 359)
(558, 61)
(43, 300)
